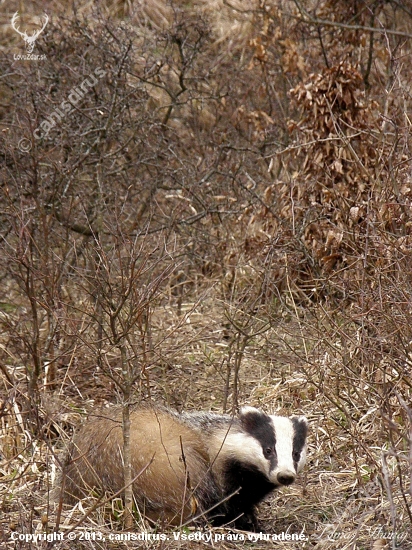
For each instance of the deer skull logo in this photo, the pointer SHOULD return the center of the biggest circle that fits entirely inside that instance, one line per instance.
(29, 39)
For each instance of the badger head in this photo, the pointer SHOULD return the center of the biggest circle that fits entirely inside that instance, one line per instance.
(274, 444)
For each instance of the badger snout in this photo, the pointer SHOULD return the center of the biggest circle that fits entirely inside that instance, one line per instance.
(285, 478)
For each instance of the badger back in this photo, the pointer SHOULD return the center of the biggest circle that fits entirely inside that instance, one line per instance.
(171, 457)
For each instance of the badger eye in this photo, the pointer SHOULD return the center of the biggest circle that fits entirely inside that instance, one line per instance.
(296, 456)
(269, 451)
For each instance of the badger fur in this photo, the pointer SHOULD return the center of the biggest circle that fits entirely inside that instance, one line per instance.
(192, 465)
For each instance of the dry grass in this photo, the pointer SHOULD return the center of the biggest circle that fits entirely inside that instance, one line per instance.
(339, 501)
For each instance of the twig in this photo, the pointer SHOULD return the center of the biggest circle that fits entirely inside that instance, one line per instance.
(310, 20)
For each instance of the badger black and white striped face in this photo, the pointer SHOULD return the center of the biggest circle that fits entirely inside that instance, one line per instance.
(274, 444)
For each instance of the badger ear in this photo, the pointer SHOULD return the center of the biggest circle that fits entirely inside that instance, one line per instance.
(301, 419)
(252, 419)
(248, 410)
(301, 426)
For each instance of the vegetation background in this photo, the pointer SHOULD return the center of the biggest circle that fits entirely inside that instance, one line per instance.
(221, 217)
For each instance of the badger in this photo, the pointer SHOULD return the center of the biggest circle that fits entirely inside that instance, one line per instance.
(189, 467)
